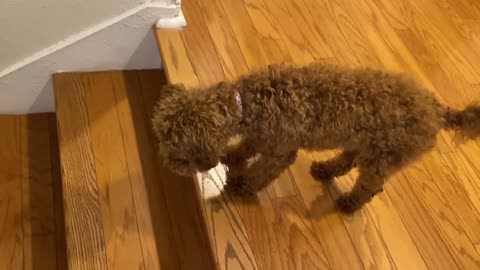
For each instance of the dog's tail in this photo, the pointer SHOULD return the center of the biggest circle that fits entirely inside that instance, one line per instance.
(466, 122)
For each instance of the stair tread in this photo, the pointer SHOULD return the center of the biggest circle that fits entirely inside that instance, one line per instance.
(123, 210)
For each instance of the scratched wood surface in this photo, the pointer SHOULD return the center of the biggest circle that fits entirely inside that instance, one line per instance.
(429, 215)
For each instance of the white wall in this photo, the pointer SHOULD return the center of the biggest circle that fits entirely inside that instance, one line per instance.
(122, 42)
(27, 26)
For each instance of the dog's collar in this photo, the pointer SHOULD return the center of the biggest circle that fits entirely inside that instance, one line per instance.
(238, 99)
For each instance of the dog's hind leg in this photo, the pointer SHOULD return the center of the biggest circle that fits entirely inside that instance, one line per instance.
(260, 174)
(374, 167)
(337, 166)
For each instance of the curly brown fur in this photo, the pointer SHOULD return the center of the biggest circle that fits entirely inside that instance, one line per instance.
(382, 121)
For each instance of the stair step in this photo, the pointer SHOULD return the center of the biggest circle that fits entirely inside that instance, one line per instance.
(123, 210)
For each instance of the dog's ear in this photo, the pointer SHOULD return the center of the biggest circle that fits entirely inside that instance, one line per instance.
(169, 90)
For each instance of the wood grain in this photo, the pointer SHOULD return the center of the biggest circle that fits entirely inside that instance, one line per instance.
(153, 217)
(268, 244)
(231, 242)
(11, 232)
(189, 228)
(199, 46)
(290, 33)
(223, 38)
(466, 169)
(175, 57)
(268, 32)
(365, 227)
(328, 223)
(420, 225)
(305, 23)
(118, 214)
(442, 214)
(245, 33)
(283, 186)
(413, 224)
(40, 252)
(454, 194)
(326, 16)
(306, 250)
(37, 199)
(85, 241)
(37, 193)
(60, 243)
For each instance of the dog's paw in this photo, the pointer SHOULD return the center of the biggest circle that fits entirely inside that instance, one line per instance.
(321, 171)
(238, 186)
(348, 204)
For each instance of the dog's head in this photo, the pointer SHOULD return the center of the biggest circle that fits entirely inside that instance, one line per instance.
(192, 128)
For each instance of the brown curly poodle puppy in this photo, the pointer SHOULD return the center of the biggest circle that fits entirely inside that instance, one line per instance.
(381, 121)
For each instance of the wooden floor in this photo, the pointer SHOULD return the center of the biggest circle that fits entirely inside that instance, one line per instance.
(123, 210)
(31, 214)
(429, 215)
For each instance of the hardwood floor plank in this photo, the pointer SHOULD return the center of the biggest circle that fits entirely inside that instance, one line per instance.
(283, 186)
(60, 244)
(468, 169)
(40, 252)
(465, 176)
(420, 224)
(305, 24)
(349, 23)
(326, 16)
(436, 201)
(416, 30)
(268, 244)
(37, 199)
(199, 46)
(85, 236)
(463, 51)
(292, 219)
(118, 213)
(11, 233)
(153, 217)
(231, 241)
(327, 222)
(454, 194)
(365, 228)
(245, 34)
(298, 48)
(223, 38)
(189, 227)
(268, 32)
(37, 193)
(175, 58)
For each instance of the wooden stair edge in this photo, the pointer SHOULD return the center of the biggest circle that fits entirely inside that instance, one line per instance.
(178, 70)
(87, 247)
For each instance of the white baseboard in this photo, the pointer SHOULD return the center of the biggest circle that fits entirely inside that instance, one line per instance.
(118, 44)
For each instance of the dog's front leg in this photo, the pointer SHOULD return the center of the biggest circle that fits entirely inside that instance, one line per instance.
(260, 174)
(237, 156)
